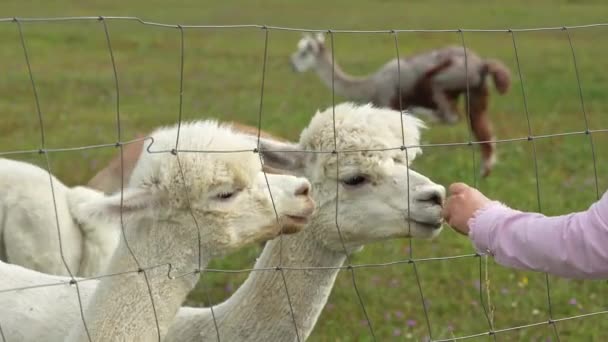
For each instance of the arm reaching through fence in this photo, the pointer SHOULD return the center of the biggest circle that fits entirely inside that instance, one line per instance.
(572, 246)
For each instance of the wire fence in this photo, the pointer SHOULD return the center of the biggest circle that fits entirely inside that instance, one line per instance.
(492, 332)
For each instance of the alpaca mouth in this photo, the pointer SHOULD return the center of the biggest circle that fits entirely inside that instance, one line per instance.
(291, 224)
(298, 219)
(430, 225)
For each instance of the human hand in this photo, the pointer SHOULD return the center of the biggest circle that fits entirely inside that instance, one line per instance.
(461, 204)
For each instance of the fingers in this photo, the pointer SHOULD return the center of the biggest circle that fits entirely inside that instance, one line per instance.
(457, 188)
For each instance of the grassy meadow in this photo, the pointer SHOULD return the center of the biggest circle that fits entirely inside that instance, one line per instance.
(222, 76)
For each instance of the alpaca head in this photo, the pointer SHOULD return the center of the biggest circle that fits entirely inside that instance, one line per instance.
(223, 196)
(379, 196)
(309, 49)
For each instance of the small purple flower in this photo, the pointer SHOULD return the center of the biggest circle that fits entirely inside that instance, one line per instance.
(228, 288)
(394, 282)
(411, 323)
(399, 314)
(572, 301)
(330, 306)
(397, 332)
(450, 328)
(476, 284)
(406, 250)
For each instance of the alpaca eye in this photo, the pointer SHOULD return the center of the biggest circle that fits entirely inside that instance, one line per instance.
(225, 195)
(355, 180)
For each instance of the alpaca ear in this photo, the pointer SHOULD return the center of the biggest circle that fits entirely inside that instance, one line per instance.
(320, 37)
(132, 202)
(279, 156)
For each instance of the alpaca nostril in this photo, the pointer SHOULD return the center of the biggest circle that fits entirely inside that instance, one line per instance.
(303, 190)
(434, 197)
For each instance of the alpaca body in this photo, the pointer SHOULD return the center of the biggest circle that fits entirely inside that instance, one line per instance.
(33, 217)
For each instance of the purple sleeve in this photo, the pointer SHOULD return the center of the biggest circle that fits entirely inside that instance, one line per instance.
(571, 246)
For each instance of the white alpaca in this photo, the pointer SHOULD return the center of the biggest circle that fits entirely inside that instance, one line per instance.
(180, 210)
(31, 223)
(374, 205)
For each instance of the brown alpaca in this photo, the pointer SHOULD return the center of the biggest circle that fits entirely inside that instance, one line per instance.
(424, 82)
(108, 179)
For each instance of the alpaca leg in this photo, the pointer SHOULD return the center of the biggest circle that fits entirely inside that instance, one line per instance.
(445, 108)
(482, 128)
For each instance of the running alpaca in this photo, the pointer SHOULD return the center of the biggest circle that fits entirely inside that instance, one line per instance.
(382, 87)
(33, 216)
(373, 206)
(180, 210)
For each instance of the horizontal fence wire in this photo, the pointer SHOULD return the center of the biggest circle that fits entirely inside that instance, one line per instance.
(348, 265)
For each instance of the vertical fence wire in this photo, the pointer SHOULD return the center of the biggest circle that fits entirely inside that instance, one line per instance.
(43, 151)
(537, 178)
(122, 225)
(581, 98)
(279, 267)
(404, 148)
(337, 209)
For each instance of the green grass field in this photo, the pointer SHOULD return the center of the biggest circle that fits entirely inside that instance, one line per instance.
(222, 79)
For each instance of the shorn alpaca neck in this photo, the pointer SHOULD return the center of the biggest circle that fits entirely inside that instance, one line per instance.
(259, 310)
(353, 88)
(124, 307)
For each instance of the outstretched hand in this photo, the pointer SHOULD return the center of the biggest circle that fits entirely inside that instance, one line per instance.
(461, 204)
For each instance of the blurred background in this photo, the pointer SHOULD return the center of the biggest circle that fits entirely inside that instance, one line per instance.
(222, 79)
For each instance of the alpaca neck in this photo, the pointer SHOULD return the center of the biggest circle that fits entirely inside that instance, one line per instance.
(98, 246)
(353, 88)
(121, 307)
(259, 310)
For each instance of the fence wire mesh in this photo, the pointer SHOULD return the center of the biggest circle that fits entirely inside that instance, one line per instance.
(492, 332)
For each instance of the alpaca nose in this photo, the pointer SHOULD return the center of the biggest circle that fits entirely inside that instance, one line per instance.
(303, 189)
(434, 195)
